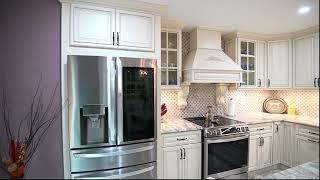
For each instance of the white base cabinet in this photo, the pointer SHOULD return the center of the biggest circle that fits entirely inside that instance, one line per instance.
(287, 152)
(260, 146)
(307, 144)
(181, 155)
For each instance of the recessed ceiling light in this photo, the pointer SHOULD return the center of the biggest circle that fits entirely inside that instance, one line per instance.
(304, 10)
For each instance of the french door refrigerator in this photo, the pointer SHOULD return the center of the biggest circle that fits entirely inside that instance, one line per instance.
(112, 117)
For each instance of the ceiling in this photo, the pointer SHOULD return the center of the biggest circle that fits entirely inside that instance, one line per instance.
(259, 16)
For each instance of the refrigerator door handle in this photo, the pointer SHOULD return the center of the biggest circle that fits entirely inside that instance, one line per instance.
(109, 154)
(112, 101)
(119, 103)
(119, 176)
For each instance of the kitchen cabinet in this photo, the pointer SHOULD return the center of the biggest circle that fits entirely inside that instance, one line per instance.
(260, 146)
(172, 164)
(254, 143)
(306, 62)
(307, 149)
(180, 158)
(306, 144)
(277, 142)
(171, 56)
(287, 152)
(251, 55)
(103, 27)
(248, 62)
(92, 26)
(135, 30)
(279, 64)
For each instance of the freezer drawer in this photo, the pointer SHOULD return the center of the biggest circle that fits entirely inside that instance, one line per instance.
(145, 171)
(112, 157)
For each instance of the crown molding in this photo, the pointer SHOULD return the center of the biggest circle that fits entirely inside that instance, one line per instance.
(135, 5)
(269, 37)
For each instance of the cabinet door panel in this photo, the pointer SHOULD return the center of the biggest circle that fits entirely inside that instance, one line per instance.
(304, 62)
(279, 64)
(261, 63)
(192, 161)
(277, 143)
(287, 152)
(254, 143)
(92, 26)
(307, 150)
(172, 164)
(136, 30)
(266, 150)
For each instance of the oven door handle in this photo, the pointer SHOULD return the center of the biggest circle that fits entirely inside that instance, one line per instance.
(228, 139)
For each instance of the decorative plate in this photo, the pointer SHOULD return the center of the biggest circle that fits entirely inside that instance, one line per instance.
(275, 105)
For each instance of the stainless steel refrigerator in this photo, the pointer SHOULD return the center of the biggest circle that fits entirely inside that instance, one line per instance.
(112, 117)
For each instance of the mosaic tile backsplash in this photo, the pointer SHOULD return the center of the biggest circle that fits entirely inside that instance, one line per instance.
(202, 95)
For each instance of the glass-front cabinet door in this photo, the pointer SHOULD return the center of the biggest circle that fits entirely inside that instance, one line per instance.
(248, 63)
(170, 58)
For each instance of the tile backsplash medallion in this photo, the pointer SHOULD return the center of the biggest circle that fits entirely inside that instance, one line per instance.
(202, 95)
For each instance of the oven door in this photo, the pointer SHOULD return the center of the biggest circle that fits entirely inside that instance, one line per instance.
(225, 156)
(136, 100)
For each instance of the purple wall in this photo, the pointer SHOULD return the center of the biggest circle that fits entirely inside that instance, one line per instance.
(30, 46)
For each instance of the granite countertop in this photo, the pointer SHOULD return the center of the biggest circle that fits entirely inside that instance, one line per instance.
(309, 170)
(261, 117)
(178, 125)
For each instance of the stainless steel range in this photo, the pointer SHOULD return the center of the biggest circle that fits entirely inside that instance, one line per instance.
(225, 146)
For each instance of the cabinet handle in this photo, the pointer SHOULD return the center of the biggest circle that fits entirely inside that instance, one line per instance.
(260, 129)
(118, 38)
(313, 133)
(277, 128)
(180, 153)
(314, 82)
(184, 153)
(313, 141)
(262, 141)
(259, 82)
(181, 139)
(112, 38)
(268, 82)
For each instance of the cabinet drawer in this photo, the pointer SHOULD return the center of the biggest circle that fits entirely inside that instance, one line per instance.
(181, 138)
(306, 131)
(261, 128)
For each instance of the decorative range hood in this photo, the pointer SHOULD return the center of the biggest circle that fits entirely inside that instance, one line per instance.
(207, 63)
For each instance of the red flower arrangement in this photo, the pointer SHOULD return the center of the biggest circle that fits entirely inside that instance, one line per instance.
(22, 145)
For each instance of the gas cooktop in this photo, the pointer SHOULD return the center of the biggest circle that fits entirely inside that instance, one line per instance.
(218, 121)
(219, 126)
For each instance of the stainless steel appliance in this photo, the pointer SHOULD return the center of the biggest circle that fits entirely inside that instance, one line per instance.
(112, 117)
(225, 146)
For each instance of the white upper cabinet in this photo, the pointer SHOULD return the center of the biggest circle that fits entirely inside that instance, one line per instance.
(92, 26)
(135, 30)
(261, 64)
(305, 62)
(102, 27)
(170, 58)
(279, 64)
